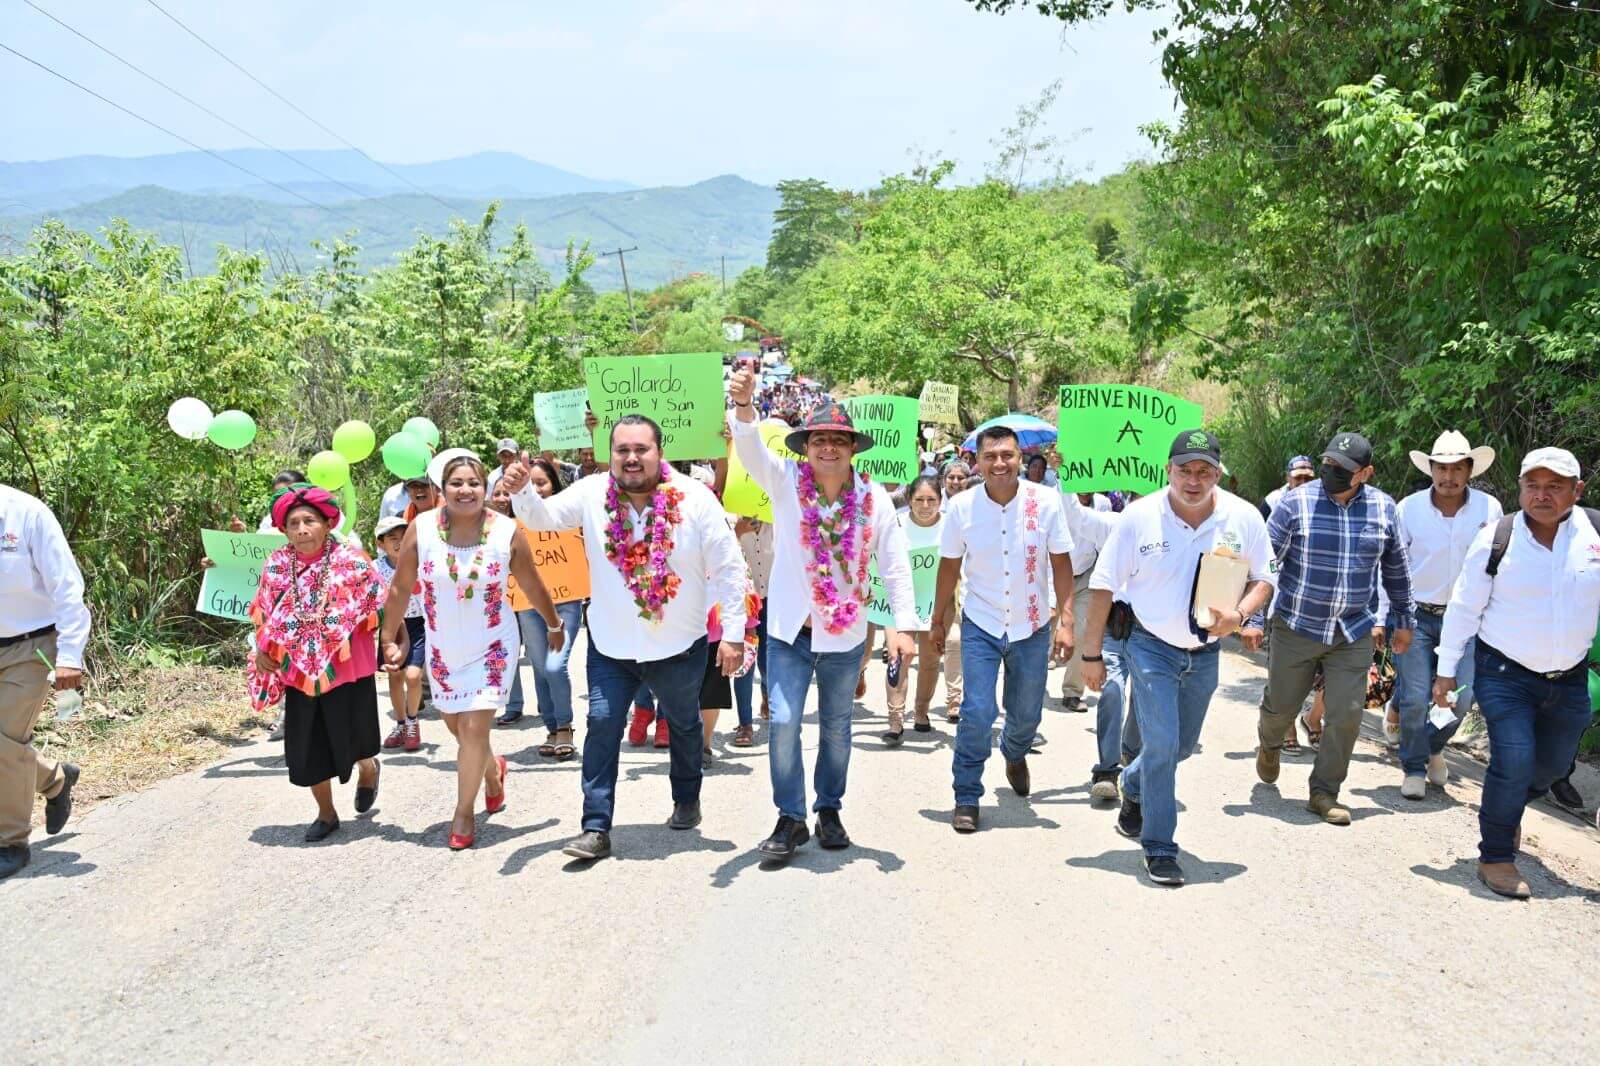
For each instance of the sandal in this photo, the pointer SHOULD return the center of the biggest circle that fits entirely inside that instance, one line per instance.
(1291, 746)
(953, 716)
(921, 724)
(744, 737)
(563, 743)
(897, 728)
(547, 750)
(1313, 736)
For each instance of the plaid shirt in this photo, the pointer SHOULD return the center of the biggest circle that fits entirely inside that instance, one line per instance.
(1329, 559)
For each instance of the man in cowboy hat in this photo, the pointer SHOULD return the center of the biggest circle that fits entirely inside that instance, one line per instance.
(828, 525)
(1437, 526)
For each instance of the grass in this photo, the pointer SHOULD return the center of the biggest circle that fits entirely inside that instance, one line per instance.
(159, 722)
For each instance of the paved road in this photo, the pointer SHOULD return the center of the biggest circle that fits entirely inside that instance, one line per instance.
(190, 924)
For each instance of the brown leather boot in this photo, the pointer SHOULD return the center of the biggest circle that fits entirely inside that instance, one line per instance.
(1267, 765)
(1503, 879)
(1017, 774)
(1328, 809)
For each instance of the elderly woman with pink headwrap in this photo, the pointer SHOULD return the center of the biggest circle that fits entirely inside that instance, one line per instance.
(315, 616)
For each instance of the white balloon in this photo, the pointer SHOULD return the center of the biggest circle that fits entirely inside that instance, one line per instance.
(189, 418)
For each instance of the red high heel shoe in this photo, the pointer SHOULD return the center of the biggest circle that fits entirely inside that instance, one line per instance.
(496, 804)
(462, 843)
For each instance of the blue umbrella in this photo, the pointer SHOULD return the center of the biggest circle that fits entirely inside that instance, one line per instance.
(1031, 432)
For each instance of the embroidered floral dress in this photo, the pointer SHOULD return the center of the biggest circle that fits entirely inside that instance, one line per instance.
(472, 631)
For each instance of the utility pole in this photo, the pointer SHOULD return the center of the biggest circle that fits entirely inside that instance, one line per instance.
(622, 261)
(724, 275)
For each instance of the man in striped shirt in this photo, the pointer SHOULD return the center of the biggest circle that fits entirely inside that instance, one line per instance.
(1336, 539)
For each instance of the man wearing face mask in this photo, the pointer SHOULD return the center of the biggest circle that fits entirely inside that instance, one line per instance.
(1336, 539)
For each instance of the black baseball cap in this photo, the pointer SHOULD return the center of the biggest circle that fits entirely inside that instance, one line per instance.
(1350, 450)
(1194, 444)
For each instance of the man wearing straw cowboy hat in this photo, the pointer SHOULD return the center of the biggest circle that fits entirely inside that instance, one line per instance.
(1437, 526)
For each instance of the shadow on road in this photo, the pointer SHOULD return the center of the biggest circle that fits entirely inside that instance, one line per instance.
(1266, 801)
(629, 843)
(1543, 881)
(1389, 798)
(436, 835)
(810, 858)
(1196, 871)
(273, 766)
(48, 861)
(1009, 812)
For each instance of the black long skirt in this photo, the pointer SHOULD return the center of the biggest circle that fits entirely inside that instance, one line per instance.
(325, 736)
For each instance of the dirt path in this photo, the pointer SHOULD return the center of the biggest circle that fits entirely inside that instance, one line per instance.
(189, 923)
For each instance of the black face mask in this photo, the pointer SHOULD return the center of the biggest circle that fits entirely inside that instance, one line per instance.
(1336, 479)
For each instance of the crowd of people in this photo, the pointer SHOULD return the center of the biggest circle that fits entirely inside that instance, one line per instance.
(692, 611)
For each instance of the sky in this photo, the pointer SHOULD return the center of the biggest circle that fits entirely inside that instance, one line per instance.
(664, 93)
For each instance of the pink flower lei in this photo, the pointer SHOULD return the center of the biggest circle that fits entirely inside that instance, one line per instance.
(643, 565)
(838, 539)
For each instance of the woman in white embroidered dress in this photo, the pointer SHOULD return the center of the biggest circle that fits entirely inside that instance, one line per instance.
(461, 553)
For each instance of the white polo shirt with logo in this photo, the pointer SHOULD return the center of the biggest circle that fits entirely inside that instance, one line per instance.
(1151, 557)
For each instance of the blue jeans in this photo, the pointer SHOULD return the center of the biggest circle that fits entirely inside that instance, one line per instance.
(1534, 726)
(744, 687)
(643, 699)
(612, 685)
(1026, 662)
(552, 685)
(1172, 689)
(793, 666)
(1116, 733)
(1413, 693)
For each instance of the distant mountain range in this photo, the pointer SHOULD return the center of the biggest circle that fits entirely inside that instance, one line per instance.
(57, 183)
(192, 200)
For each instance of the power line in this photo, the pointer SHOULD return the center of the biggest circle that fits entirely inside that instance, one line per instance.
(178, 136)
(202, 107)
(295, 108)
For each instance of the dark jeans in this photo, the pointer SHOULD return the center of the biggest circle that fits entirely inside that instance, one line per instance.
(612, 685)
(1534, 725)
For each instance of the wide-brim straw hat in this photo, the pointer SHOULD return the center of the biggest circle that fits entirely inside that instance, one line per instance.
(830, 418)
(1452, 447)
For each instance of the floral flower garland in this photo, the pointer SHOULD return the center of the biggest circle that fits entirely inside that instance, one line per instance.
(464, 592)
(839, 539)
(644, 564)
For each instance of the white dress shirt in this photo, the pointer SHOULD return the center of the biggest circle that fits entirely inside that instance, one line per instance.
(1085, 547)
(1540, 610)
(40, 583)
(1009, 580)
(1151, 557)
(1436, 545)
(757, 549)
(790, 605)
(705, 556)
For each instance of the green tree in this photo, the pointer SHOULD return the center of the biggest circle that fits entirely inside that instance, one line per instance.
(811, 220)
(974, 286)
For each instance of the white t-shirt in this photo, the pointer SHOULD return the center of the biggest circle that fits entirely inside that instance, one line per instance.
(1151, 556)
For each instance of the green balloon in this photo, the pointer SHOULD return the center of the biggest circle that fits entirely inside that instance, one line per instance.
(232, 430)
(354, 440)
(329, 470)
(405, 456)
(423, 429)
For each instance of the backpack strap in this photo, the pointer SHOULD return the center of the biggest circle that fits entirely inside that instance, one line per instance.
(1498, 546)
(1502, 538)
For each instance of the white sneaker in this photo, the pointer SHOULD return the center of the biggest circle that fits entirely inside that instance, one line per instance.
(1438, 772)
(277, 730)
(1391, 730)
(1414, 787)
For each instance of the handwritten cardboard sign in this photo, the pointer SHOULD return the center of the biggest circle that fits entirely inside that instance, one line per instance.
(742, 495)
(682, 393)
(1118, 436)
(229, 585)
(924, 577)
(938, 403)
(562, 565)
(560, 419)
(891, 421)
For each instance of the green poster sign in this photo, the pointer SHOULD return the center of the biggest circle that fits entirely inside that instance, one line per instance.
(891, 421)
(559, 416)
(682, 393)
(1118, 436)
(924, 576)
(230, 583)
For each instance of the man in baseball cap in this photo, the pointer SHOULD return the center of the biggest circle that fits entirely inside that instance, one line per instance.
(507, 452)
(1529, 591)
(1296, 472)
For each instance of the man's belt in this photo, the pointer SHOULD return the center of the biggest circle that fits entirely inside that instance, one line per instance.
(1436, 609)
(6, 642)
(1571, 673)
